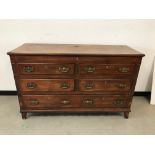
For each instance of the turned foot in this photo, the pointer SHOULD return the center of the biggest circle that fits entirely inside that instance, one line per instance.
(24, 115)
(126, 115)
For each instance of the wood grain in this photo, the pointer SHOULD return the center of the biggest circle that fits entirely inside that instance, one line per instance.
(74, 78)
(74, 101)
(75, 49)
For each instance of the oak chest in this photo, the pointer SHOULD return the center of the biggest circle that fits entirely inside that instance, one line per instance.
(75, 78)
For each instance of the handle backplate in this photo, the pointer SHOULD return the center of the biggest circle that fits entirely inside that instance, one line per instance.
(31, 85)
(64, 85)
(124, 69)
(28, 69)
(34, 102)
(64, 69)
(118, 102)
(89, 86)
(65, 102)
(89, 69)
(122, 85)
(88, 102)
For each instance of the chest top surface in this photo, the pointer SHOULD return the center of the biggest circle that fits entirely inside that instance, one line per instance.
(74, 49)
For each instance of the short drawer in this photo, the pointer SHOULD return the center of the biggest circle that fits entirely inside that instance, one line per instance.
(41, 68)
(106, 69)
(46, 85)
(113, 85)
(73, 101)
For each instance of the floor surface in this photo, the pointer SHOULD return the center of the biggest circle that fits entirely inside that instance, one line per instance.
(141, 121)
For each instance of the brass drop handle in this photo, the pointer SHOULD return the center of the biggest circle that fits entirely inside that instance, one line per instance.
(65, 102)
(34, 102)
(64, 85)
(121, 85)
(28, 69)
(64, 69)
(124, 69)
(118, 102)
(89, 69)
(31, 85)
(88, 102)
(89, 86)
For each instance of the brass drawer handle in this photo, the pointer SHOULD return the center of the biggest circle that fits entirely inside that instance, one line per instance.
(124, 69)
(34, 102)
(88, 102)
(28, 69)
(121, 85)
(89, 69)
(31, 85)
(65, 102)
(118, 102)
(89, 86)
(64, 85)
(64, 69)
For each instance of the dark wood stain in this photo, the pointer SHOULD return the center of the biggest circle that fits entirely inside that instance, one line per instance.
(75, 78)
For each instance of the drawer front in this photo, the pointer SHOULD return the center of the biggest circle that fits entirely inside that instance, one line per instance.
(106, 69)
(46, 85)
(46, 68)
(72, 101)
(105, 85)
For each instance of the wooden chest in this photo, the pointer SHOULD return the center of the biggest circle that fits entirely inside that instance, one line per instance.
(75, 78)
